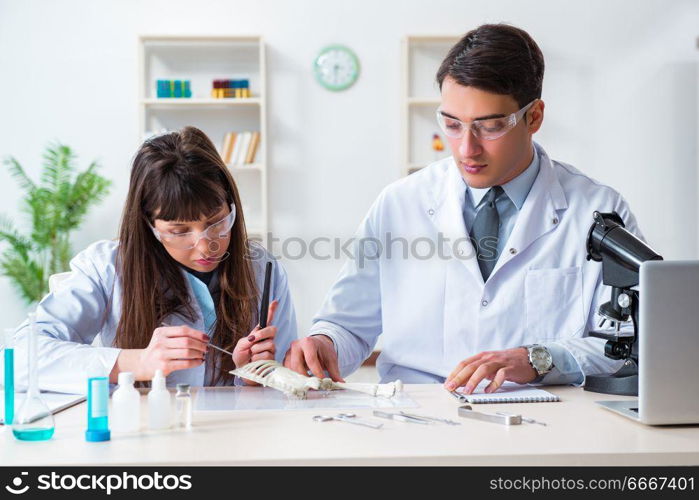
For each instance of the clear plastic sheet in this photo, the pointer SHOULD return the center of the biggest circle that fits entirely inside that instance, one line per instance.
(265, 398)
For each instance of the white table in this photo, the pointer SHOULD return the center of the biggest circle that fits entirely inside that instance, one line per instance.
(578, 433)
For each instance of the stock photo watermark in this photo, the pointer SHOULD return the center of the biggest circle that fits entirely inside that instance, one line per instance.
(368, 249)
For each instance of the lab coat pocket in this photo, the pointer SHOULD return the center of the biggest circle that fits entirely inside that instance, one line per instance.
(554, 303)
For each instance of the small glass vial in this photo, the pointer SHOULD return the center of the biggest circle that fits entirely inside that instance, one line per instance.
(183, 406)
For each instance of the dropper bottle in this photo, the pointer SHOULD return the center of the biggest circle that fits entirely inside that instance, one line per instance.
(159, 403)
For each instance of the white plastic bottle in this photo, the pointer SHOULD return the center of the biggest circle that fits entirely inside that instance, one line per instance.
(126, 405)
(159, 403)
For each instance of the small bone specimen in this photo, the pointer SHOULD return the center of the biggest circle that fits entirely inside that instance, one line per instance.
(384, 390)
(271, 374)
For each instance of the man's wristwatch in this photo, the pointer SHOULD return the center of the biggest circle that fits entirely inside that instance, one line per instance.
(540, 358)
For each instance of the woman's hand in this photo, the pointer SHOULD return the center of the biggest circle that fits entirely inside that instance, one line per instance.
(258, 345)
(171, 348)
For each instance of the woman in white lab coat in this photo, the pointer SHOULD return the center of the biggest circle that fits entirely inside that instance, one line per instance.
(182, 274)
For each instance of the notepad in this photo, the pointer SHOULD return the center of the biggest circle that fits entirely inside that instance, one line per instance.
(509, 392)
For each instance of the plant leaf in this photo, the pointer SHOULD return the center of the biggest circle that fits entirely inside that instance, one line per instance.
(17, 171)
(58, 166)
(21, 244)
(26, 275)
(88, 189)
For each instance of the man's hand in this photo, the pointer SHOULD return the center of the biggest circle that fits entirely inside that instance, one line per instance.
(498, 366)
(315, 353)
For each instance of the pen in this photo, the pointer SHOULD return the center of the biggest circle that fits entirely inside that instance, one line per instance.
(264, 304)
(459, 396)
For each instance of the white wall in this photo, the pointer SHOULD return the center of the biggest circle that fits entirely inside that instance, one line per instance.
(621, 95)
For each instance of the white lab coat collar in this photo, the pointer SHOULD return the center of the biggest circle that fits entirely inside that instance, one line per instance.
(517, 189)
(538, 215)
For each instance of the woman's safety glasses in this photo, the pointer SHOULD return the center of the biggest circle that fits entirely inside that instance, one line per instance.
(187, 241)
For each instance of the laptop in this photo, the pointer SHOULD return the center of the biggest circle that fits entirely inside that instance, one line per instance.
(668, 349)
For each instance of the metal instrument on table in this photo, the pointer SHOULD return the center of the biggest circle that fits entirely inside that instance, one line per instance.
(525, 419)
(432, 419)
(400, 417)
(496, 418)
(349, 418)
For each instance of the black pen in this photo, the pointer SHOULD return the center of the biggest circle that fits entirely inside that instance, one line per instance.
(264, 305)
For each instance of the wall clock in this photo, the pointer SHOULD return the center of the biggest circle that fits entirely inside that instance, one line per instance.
(336, 67)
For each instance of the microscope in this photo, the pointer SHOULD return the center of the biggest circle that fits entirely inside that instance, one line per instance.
(621, 254)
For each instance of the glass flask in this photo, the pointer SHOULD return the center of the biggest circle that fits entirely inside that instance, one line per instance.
(33, 420)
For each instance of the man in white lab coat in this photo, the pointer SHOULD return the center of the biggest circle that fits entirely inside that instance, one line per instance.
(475, 267)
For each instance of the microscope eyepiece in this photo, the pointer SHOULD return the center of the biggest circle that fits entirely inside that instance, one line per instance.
(609, 237)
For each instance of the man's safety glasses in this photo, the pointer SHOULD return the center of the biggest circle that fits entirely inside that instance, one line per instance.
(187, 241)
(488, 129)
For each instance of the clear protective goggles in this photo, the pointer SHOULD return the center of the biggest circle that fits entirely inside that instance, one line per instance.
(488, 129)
(187, 241)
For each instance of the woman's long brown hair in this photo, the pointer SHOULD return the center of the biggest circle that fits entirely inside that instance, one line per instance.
(180, 176)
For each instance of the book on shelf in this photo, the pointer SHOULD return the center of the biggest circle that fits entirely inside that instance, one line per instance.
(244, 145)
(236, 149)
(223, 89)
(252, 150)
(173, 88)
(227, 150)
(240, 148)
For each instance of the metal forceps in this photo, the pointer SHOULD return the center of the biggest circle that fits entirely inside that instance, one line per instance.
(346, 417)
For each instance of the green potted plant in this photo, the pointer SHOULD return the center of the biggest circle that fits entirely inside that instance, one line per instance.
(57, 205)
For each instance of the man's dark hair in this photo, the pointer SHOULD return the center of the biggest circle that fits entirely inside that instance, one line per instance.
(496, 58)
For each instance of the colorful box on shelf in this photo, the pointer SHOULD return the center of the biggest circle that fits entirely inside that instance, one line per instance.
(173, 88)
(227, 89)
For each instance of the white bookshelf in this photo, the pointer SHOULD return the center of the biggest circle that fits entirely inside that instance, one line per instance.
(202, 59)
(421, 57)
(200, 101)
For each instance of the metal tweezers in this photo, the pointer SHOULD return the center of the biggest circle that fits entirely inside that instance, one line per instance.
(401, 417)
(432, 419)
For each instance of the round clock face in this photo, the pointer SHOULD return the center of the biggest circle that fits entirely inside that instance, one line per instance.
(336, 67)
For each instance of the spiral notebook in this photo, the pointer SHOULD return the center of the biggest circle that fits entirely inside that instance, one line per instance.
(509, 392)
